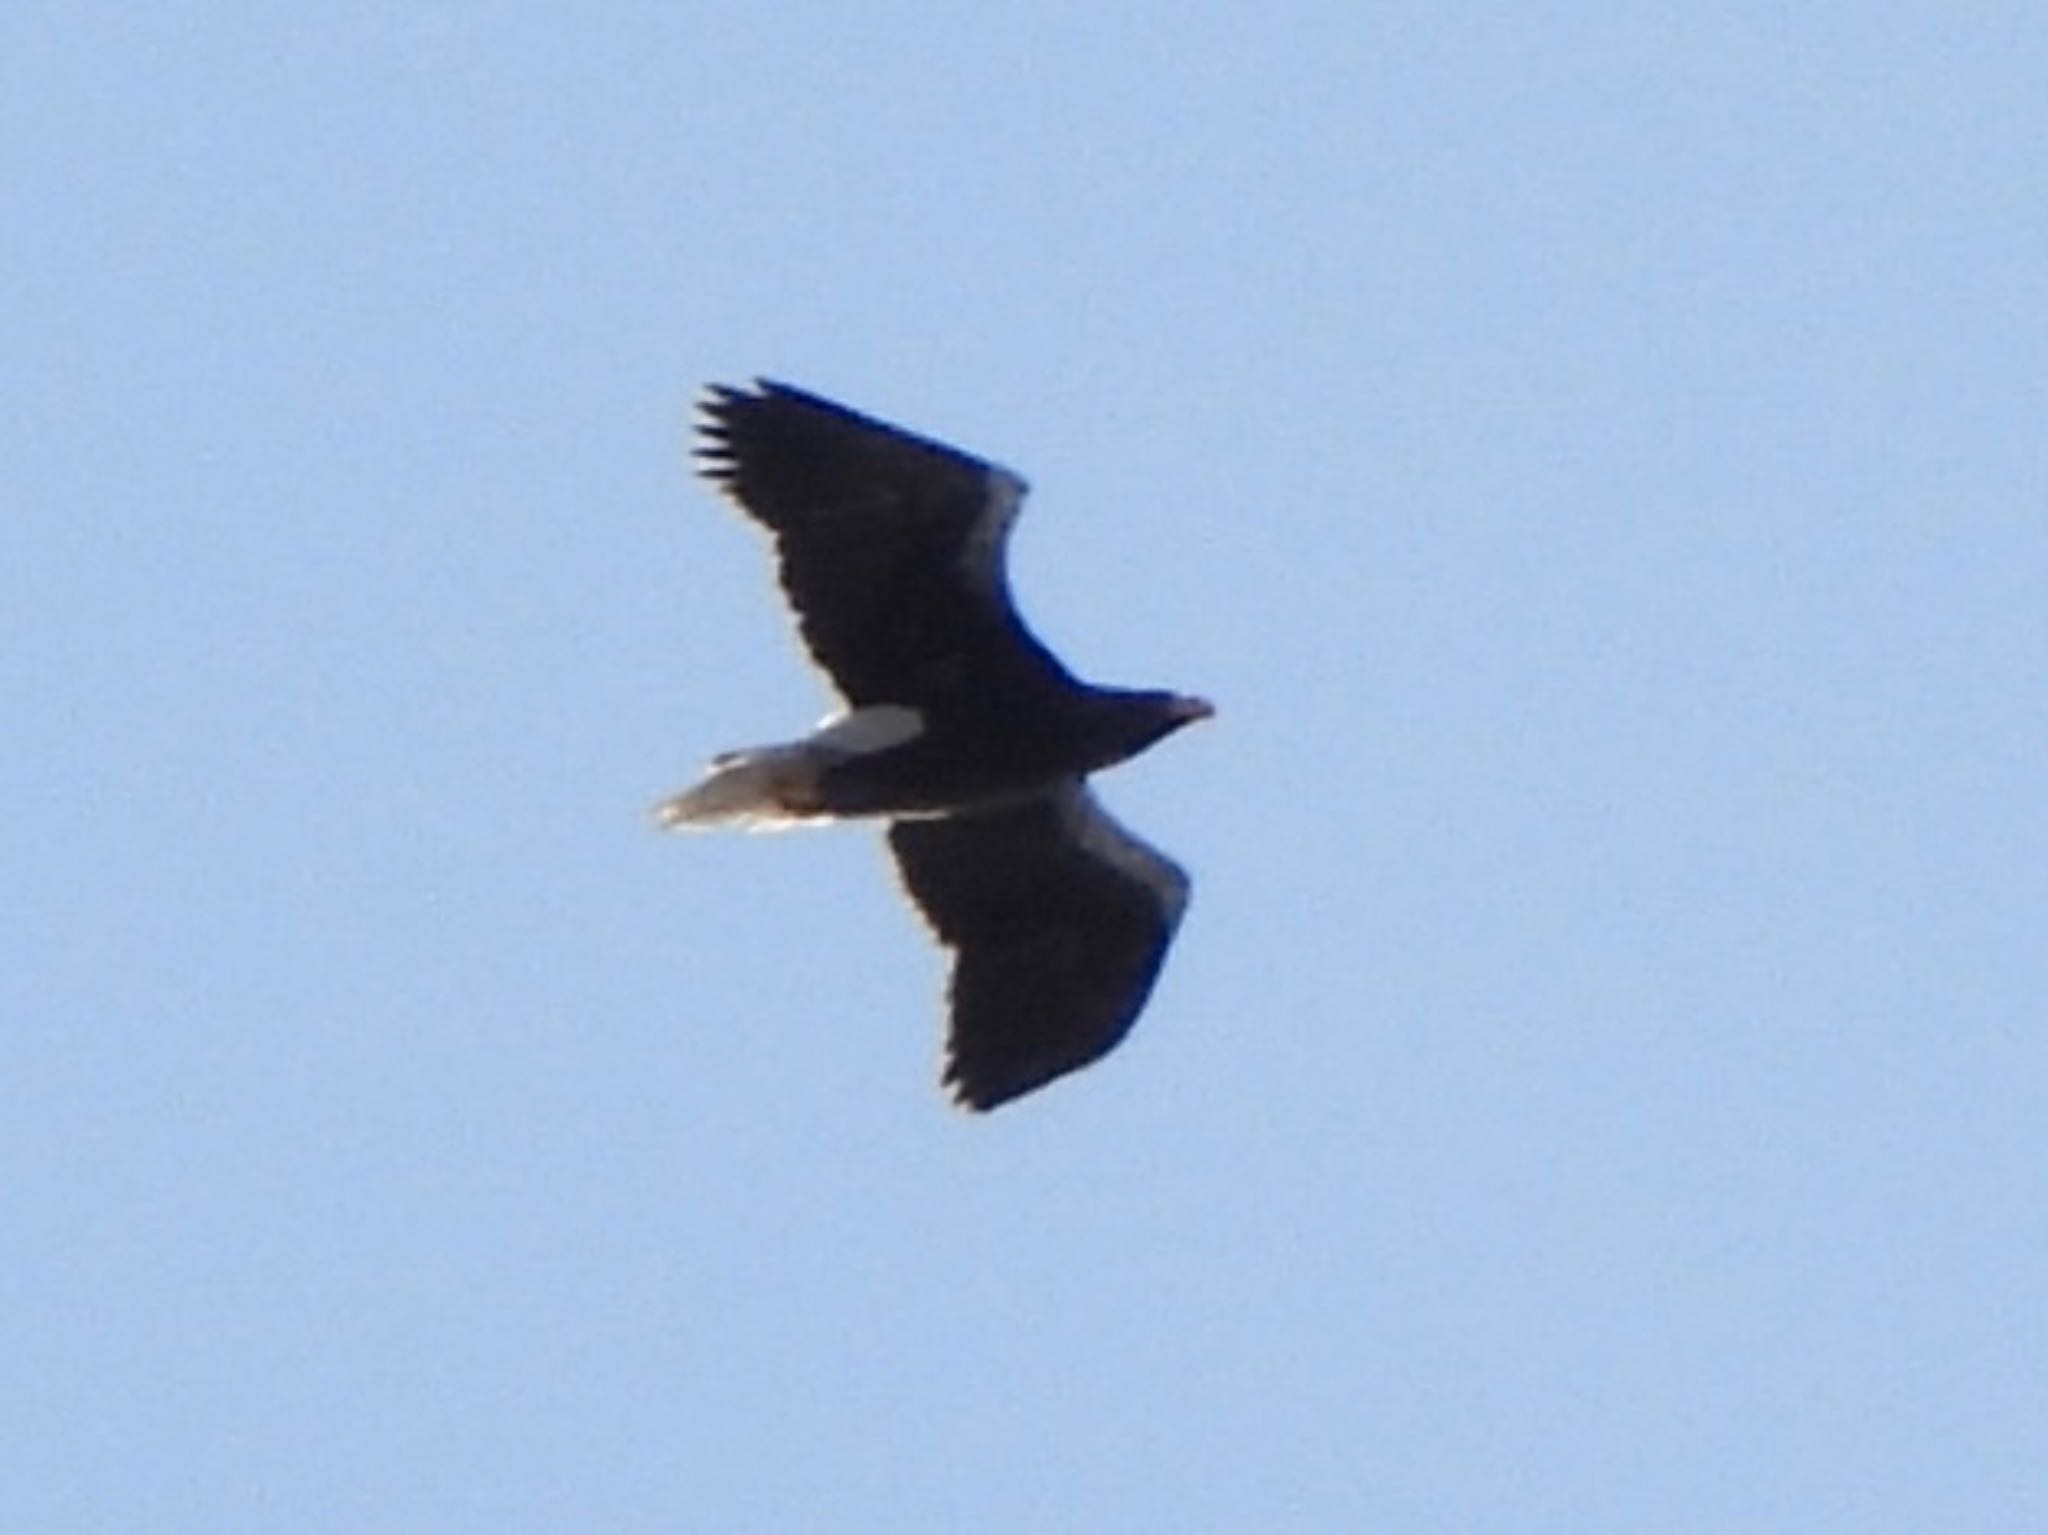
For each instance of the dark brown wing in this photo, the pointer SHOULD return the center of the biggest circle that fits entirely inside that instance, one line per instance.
(1060, 919)
(892, 547)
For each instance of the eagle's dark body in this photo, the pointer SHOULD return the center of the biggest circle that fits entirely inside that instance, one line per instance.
(977, 759)
(962, 729)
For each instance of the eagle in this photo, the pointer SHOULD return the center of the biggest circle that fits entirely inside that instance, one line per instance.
(959, 729)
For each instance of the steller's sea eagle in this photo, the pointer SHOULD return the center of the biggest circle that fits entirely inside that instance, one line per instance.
(960, 729)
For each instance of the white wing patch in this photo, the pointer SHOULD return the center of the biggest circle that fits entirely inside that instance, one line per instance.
(1097, 834)
(981, 556)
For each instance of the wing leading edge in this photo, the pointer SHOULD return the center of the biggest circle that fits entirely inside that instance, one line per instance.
(891, 546)
(1059, 919)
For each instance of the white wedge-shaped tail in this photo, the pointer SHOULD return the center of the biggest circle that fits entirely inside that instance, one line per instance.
(767, 788)
(762, 790)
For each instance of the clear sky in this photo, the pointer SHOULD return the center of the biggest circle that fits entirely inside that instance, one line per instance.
(1596, 456)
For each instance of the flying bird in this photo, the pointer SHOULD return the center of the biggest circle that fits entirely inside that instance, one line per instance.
(960, 729)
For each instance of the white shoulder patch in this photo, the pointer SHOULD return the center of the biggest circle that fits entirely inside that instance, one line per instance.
(875, 728)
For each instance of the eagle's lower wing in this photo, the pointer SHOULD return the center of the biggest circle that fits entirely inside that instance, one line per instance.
(1060, 920)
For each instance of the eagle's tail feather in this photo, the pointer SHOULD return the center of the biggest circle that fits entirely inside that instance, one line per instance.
(766, 789)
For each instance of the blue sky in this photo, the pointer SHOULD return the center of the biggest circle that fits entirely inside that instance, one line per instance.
(1594, 456)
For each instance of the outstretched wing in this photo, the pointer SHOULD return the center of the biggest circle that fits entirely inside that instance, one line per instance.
(1060, 920)
(891, 546)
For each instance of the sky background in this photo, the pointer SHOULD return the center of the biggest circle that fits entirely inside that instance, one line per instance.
(1596, 456)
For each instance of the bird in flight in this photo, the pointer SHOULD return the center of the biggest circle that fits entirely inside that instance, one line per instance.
(960, 729)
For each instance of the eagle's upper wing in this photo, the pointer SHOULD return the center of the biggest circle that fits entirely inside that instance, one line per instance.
(1060, 919)
(891, 546)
